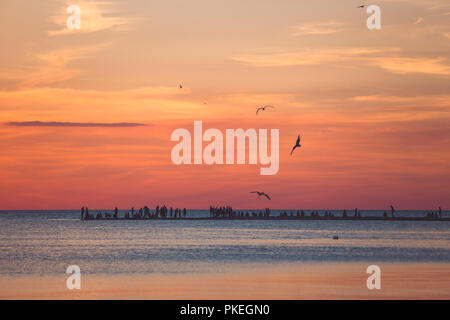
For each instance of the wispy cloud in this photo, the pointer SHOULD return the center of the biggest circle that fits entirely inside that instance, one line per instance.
(95, 16)
(389, 59)
(51, 67)
(403, 65)
(439, 5)
(143, 104)
(419, 20)
(73, 124)
(310, 57)
(329, 27)
(424, 99)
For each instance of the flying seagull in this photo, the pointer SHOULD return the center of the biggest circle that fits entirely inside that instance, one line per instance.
(362, 6)
(261, 194)
(297, 144)
(263, 108)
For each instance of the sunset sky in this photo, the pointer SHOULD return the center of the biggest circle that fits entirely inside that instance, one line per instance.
(372, 106)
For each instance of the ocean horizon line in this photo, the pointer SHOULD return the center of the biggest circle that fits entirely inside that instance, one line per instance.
(207, 209)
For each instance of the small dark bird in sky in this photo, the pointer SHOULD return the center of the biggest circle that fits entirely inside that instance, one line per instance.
(362, 6)
(297, 144)
(261, 194)
(263, 108)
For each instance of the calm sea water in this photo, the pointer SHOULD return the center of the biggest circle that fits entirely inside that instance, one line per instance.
(46, 242)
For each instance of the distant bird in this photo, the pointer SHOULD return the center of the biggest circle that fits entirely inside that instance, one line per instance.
(263, 108)
(297, 144)
(362, 6)
(261, 194)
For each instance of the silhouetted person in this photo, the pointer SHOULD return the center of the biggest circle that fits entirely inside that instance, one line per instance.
(184, 212)
(344, 214)
(82, 213)
(440, 212)
(392, 210)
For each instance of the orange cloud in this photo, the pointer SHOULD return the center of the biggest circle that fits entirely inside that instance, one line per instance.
(403, 65)
(51, 67)
(324, 28)
(310, 57)
(430, 99)
(375, 57)
(67, 104)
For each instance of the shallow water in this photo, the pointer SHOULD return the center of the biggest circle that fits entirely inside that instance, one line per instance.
(44, 243)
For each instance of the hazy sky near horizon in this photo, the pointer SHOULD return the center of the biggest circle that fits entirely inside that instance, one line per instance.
(373, 107)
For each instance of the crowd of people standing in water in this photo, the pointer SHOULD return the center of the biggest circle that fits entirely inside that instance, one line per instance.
(228, 212)
(224, 212)
(142, 213)
(433, 214)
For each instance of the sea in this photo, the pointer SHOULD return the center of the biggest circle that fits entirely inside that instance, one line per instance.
(44, 242)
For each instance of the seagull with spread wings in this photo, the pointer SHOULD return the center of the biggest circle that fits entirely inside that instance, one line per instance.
(263, 108)
(297, 144)
(261, 194)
